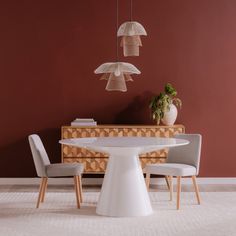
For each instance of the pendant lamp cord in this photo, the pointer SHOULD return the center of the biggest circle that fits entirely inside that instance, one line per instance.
(117, 24)
(131, 10)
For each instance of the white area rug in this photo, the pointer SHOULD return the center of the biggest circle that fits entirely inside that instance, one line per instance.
(59, 216)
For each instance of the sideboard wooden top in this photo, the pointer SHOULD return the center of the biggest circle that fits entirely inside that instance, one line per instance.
(127, 126)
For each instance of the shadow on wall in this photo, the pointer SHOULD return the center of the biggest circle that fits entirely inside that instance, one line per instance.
(137, 112)
(16, 159)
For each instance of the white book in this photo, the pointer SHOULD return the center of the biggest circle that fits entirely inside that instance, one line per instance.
(83, 120)
(94, 123)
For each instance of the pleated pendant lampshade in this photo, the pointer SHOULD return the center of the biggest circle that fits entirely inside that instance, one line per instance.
(130, 32)
(131, 40)
(116, 74)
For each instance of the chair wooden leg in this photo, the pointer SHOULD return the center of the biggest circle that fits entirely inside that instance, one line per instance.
(147, 180)
(44, 188)
(171, 187)
(80, 189)
(40, 192)
(196, 189)
(77, 191)
(167, 182)
(178, 191)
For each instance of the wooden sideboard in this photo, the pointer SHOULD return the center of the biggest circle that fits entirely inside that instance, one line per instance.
(95, 162)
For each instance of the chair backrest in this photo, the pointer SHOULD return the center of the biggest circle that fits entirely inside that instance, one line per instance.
(187, 154)
(39, 155)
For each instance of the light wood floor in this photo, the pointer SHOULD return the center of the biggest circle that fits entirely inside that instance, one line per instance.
(162, 188)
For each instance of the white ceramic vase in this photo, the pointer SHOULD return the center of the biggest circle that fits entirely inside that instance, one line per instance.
(170, 116)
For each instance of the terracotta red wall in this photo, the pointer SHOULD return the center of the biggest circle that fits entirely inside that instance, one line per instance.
(49, 50)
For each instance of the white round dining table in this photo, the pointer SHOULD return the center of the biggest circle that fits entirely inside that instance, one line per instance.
(124, 193)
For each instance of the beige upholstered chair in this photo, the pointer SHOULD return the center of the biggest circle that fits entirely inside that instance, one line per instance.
(181, 162)
(45, 169)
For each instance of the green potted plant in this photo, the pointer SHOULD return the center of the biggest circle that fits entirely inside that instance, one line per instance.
(163, 106)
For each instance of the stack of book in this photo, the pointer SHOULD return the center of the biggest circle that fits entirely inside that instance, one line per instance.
(83, 122)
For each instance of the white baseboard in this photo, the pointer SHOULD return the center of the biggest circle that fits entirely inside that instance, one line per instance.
(98, 181)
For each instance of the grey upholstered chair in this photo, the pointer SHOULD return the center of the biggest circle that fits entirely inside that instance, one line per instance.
(45, 170)
(182, 161)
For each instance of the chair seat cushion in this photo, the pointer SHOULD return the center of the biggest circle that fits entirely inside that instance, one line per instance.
(172, 169)
(64, 169)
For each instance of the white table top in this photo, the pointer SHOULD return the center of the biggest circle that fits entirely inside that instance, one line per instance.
(140, 144)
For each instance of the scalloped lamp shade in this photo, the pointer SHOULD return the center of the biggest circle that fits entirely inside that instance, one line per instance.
(117, 73)
(131, 28)
(131, 40)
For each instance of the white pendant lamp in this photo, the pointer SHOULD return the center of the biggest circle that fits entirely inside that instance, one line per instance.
(130, 32)
(117, 73)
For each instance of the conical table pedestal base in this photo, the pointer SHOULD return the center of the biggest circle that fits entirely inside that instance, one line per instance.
(124, 193)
